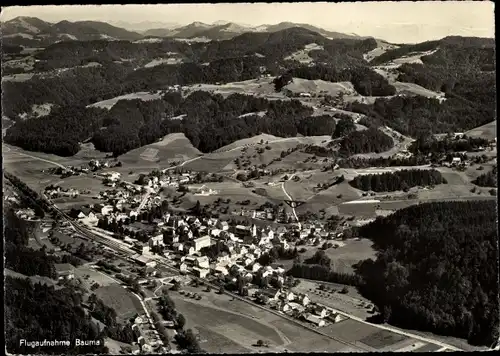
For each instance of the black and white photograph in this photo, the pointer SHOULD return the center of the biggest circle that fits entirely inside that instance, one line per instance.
(250, 178)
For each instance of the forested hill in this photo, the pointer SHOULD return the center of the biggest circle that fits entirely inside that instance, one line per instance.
(437, 269)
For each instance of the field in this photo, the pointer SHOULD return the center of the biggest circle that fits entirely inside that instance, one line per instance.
(253, 324)
(33, 279)
(257, 87)
(94, 276)
(303, 55)
(108, 104)
(488, 131)
(121, 300)
(171, 148)
(316, 86)
(410, 88)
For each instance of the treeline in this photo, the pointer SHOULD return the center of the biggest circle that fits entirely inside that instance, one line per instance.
(399, 180)
(426, 145)
(356, 162)
(344, 126)
(318, 267)
(365, 141)
(487, 179)
(436, 269)
(365, 80)
(37, 312)
(316, 125)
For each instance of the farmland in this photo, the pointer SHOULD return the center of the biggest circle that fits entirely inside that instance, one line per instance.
(120, 299)
(488, 131)
(253, 324)
(109, 103)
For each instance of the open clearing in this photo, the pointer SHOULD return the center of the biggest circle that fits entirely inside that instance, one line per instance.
(102, 279)
(33, 279)
(302, 56)
(171, 148)
(382, 339)
(415, 89)
(143, 95)
(300, 85)
(158, 61)
(488, 131)
(121, 300)
(258, 87)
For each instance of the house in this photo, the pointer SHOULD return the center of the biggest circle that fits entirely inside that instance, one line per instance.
(178, 246)
(201, 242)
(320, 312)
(296, 306)
(221, 269)
(200, 272)
(289, 296)
(107, 209)
(183, 267)
(202, 262)
(303, 299)
(156, 241)
(314, 319)
(335, 317)
(65, 271)
(456, 160)
(256, 266)
(272, 294)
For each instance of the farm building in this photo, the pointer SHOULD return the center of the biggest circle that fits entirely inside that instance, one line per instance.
(314, 319)
(201, 242)
(200, 272)
(140, 259)
(65, 271)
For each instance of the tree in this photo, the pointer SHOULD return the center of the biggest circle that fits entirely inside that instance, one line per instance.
(180, 321)
(260, 343)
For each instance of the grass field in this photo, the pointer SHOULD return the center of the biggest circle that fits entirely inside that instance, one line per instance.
(488, 131)
(171, 148)
(382, 339)
(33, 279)
(108, 104)
(94, 276)
(270, 327)
(121, 300)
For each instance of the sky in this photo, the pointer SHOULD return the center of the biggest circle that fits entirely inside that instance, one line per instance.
(397, 22)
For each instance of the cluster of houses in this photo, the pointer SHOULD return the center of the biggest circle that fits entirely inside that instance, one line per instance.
(26, 214)
(57, 192)
(148, 339)
(298, 306)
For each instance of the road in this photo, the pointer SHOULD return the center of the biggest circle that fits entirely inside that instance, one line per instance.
(290, 198)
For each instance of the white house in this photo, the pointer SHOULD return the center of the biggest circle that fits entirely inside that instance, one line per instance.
(183, 267)
(202, 262)
(321, 312)
(201, 242)
(200, 272)
(106, 210)
(315, 320)
(221, 269)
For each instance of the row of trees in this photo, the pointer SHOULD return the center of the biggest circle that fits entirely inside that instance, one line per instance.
(399, 180)
(487, 179)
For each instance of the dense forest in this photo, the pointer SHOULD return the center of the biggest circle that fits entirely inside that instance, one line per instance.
(18, 256)
(344, 127)
(209, 121)
(365, 141)
(437, 269)
(399, 180)
(37, 312)
(365, 80)
(487, 179)
(420, 116)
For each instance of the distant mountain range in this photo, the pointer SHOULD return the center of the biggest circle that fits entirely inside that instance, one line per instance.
(222, 30)
(33, 32)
